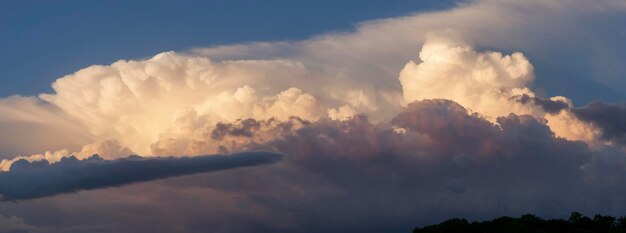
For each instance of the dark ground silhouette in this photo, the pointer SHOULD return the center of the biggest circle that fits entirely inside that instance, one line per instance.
(577, 223)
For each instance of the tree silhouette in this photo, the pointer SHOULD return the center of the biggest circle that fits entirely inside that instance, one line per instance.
(528, 223)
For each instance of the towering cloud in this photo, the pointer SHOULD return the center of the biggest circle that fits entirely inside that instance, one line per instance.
(140, 99)
(484, 82)
(137, 102)
(146, 106)
(488, 83)
(371, 126)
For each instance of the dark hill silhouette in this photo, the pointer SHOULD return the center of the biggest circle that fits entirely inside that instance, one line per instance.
(577, 223)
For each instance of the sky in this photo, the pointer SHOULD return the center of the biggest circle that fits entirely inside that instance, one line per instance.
(293, 116)
(64, 36)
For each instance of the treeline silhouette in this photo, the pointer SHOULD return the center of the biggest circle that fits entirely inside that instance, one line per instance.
(577, 223)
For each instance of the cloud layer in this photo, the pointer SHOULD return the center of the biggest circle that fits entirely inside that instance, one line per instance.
(28, 180)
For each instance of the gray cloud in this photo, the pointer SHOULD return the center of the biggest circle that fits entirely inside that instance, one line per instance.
(446, 163)
(28, 180)
(548, 105)
(433, 161)
(610, 118)
(14, 224)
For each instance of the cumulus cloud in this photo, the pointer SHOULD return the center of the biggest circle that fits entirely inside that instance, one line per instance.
(443, 163)
(28, 180)
(225, 137)
(134, 101)
(377, 135)
(151, 107)
(489, 83)
(338, 75)
(432, 161)
(376, 50)
(452, 69)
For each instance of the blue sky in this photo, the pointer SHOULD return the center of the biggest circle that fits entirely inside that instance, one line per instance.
(60, 37)
(44, 40)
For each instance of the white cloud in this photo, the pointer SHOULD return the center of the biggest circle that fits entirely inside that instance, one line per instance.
(139, 102)
(429, 159)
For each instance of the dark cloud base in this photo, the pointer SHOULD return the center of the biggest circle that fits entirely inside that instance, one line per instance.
(28, 180)
(610, 118)
(433, 161)
(550, 106)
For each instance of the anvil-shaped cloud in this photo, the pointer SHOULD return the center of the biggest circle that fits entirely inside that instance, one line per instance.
(371, 128)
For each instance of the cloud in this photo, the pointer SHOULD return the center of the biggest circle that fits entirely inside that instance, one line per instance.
(432, 161)
(377, 136)
(14, 224)
(31, 125)
(610, 118)
(376, 50)
(551, 106)
(489, 83)
(334, 75)
(107, 149)
(240, 135)
(170, 96)
(155, 92)
(482, 81)
(28, 180)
